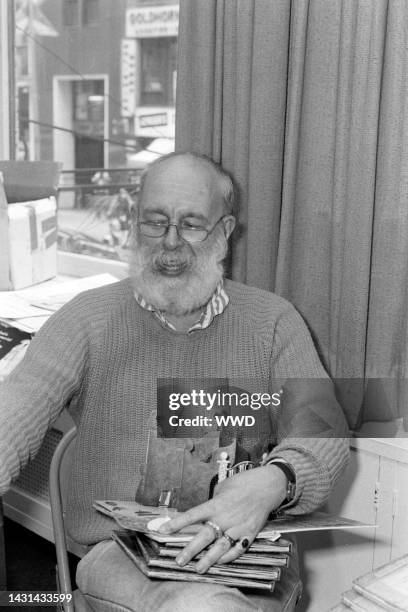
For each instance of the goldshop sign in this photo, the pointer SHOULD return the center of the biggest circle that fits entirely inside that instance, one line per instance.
(152, 21)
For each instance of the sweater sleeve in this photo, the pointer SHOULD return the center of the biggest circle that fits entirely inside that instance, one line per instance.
(37, 390)
(312, 430)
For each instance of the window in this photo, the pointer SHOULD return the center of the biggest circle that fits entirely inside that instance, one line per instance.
(158, 68)
(99, 100)
(70, 12)
(80, 12)
(90, 12)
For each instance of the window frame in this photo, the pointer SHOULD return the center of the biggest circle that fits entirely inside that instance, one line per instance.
(7, 103)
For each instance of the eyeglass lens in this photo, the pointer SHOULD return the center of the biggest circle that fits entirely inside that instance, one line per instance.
(186, 233)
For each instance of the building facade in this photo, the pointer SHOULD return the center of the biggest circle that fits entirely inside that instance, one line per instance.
(95, 79)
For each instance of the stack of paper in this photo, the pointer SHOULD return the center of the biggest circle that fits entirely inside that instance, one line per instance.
(386, 588)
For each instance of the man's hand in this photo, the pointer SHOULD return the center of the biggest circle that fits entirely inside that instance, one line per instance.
(240, 507)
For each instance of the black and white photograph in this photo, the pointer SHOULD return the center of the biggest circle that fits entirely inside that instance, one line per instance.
(204, 305)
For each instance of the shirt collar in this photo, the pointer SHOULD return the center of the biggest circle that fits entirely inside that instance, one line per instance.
(215, 306)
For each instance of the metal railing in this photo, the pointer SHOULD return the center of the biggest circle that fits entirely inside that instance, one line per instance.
(96, 198)
(87, 182)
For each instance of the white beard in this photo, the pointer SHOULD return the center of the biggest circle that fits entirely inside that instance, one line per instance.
(183, 294)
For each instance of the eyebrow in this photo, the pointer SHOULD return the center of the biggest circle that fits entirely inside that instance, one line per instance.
(159, 211)
(198, 216)
(156, 211)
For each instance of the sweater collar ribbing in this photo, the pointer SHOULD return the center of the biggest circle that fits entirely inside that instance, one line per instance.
(215, 306)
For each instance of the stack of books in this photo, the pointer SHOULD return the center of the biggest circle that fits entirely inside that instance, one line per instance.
(154, 553)
(384, 589)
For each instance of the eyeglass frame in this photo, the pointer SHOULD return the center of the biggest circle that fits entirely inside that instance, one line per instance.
(177, 226)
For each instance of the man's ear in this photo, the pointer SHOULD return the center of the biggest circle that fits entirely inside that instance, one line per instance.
(229, 224)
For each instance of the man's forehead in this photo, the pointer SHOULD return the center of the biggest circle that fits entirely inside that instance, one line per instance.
(184, 177)
(184, 167)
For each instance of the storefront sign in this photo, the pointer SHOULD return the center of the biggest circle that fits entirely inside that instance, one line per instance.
(128, 77)
(154, 122)
(152, 21)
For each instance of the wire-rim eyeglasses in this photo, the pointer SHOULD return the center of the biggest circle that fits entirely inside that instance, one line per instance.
(189, 233)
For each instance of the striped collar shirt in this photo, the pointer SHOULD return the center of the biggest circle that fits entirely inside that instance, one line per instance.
(215, 306)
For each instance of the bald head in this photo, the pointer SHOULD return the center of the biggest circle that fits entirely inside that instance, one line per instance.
(199, 168)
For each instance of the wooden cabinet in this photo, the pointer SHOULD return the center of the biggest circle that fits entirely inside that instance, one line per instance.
(374, 489)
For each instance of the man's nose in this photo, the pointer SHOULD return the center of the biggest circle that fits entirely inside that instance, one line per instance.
(172, 239)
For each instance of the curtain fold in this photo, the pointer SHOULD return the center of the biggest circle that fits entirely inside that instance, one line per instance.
(233, 57)
(305, 102)
(325, 239)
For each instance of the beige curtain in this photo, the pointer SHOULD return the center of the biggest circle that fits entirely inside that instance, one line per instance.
(305, 101)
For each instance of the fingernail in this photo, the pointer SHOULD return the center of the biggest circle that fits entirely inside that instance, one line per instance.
(201, 569)
(181, 560)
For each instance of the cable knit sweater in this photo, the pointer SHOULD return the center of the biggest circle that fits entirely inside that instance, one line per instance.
(100, 356)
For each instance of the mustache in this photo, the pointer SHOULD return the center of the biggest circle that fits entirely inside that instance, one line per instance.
(165, 258)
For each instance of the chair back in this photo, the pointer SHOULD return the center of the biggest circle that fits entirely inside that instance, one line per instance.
(59, 472)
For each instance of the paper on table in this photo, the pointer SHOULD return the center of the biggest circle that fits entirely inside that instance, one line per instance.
(15, 307)
(30, 324)
(60, 294)
(28, 309)
(398, 581)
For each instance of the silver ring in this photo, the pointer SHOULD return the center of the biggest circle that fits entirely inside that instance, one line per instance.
(217, 529)
(230, 540)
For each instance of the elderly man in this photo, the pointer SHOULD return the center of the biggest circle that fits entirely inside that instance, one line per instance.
(175, 317)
